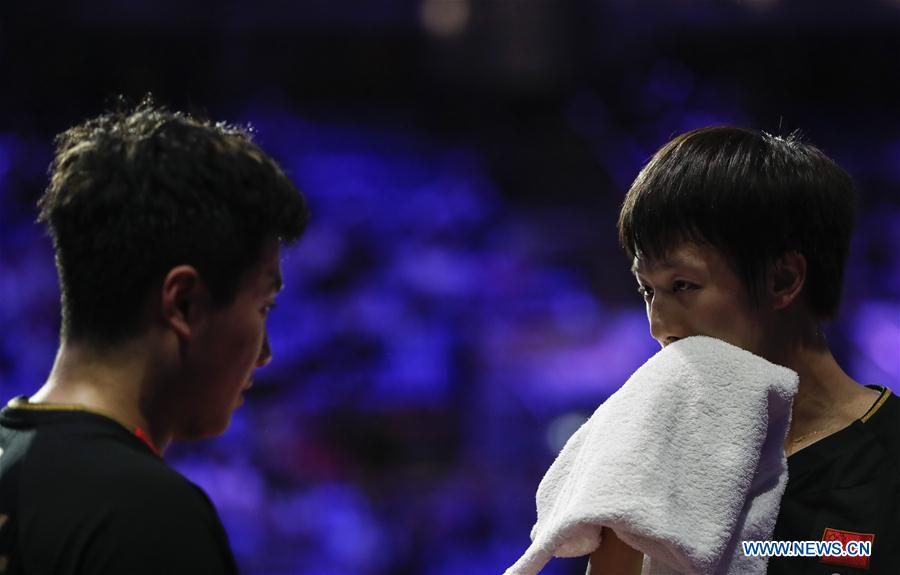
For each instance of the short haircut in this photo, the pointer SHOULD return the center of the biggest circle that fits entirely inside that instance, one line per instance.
(752, 195)
(136, 192)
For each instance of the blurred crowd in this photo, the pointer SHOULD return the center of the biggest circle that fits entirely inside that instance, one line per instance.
(459, 305)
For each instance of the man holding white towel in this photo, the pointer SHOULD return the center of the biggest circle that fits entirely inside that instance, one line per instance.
(744, 236)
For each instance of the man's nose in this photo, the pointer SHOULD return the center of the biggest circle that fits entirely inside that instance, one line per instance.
(665, 326)
(265, 353)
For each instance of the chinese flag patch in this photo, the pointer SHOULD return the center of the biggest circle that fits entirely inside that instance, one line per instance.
(860, 562)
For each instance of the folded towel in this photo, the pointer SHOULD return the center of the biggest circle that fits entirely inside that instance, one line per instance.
(683, 462)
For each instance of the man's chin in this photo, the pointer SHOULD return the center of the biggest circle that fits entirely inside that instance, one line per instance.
(204, 430)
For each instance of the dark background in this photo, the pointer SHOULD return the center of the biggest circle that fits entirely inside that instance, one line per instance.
(459, 305)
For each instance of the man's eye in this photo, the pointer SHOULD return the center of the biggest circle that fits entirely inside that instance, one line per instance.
(681, 285)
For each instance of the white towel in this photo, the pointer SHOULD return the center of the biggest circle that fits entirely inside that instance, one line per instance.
(683, 462)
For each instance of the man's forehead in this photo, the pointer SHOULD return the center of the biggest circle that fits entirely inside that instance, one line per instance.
(265, 276)
(270, 266)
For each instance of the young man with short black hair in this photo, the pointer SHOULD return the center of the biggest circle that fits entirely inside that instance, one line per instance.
(744, 236)
(167, 230)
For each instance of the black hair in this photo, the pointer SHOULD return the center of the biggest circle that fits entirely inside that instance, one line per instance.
(752, 195)
(136, 192)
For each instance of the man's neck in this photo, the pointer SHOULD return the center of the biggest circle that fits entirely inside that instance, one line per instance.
(827, 400)
(113, 383)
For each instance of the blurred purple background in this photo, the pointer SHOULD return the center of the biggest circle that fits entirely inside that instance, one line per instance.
(459, 305)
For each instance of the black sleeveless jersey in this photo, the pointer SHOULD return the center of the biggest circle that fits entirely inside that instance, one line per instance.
(846, 487)
(81, 494)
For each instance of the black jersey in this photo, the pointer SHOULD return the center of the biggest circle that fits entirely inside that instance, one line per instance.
(846, 487)
(81, 494)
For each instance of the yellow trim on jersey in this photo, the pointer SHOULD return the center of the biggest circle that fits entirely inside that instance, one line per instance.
(877, 405)
(23, 403)
(20, 403)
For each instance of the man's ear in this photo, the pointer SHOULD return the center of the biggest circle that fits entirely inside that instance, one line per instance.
(787, 276)
(184, 300)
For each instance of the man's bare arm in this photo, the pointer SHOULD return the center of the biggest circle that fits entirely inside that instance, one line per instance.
(614, 557)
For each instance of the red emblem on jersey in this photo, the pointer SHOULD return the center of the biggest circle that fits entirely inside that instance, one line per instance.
(858, 561)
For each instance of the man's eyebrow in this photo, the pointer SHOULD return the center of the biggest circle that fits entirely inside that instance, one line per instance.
(664, 264)
(276, 283)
